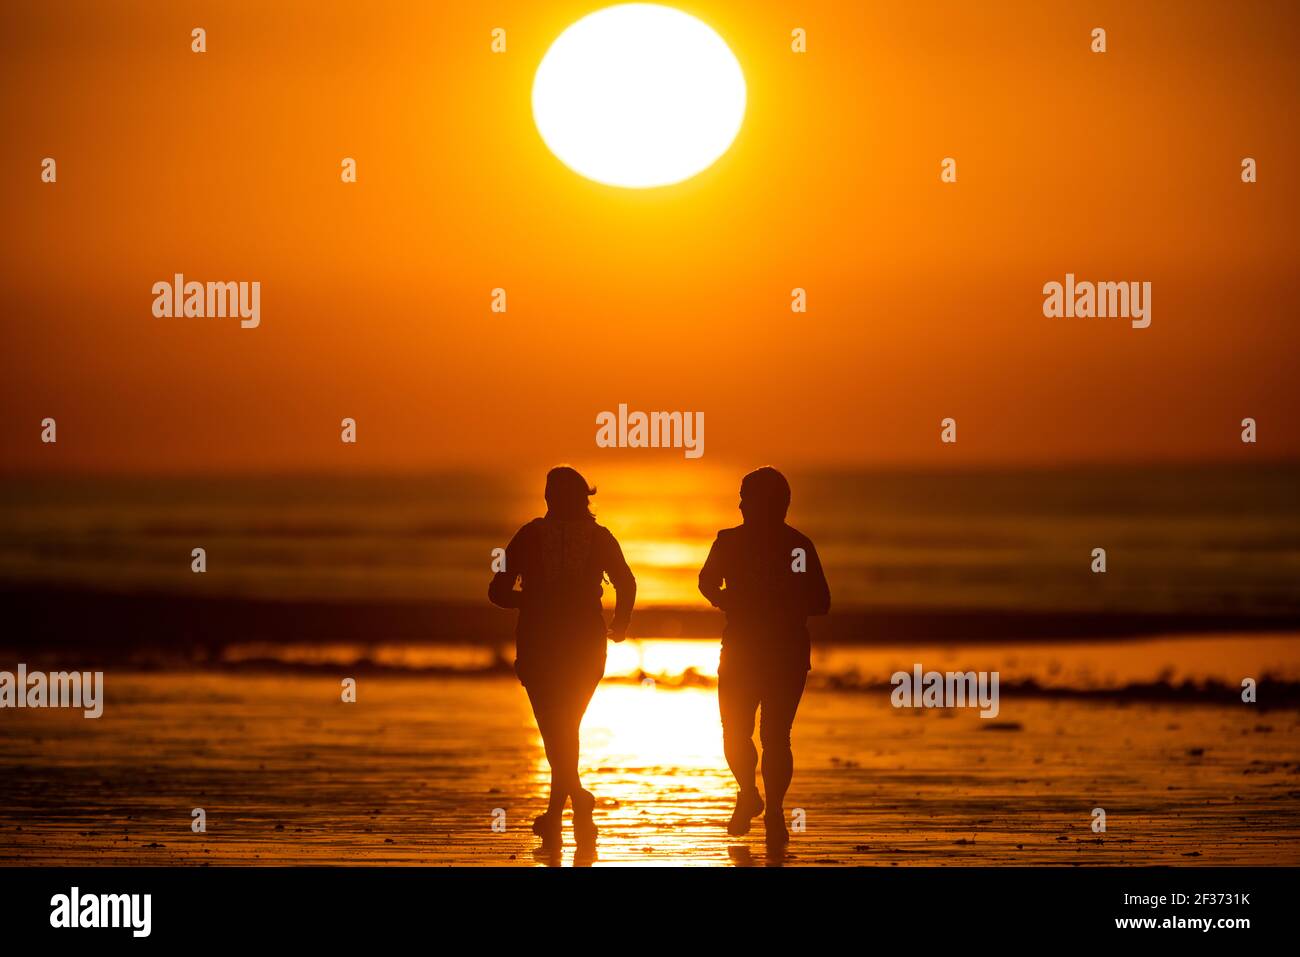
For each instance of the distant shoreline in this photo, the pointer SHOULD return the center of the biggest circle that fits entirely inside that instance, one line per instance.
(116, 622)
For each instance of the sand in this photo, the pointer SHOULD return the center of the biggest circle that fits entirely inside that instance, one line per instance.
(415, 771)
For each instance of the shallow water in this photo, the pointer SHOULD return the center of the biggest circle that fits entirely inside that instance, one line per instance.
(1065, 665)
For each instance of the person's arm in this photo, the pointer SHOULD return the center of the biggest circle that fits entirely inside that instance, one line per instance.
(501, 590)
(711, 577)
(624, 582)
(818, 592)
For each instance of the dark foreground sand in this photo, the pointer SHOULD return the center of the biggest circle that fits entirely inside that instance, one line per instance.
(414, 773)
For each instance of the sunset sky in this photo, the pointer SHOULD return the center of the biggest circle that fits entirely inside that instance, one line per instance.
(925, 298)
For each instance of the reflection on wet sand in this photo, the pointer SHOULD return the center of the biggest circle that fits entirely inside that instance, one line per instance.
(653, 758)
(415, 771)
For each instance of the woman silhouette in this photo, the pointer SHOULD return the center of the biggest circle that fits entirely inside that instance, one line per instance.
(560, 561)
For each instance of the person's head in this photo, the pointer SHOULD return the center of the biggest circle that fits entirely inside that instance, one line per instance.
(567, 494)
(764, 496)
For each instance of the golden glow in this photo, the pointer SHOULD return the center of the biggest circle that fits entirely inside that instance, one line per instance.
(662, 658)
(665, 518)
(685, 289)
(668, 554)
(638, 95)
(640, 726)
(648, 746)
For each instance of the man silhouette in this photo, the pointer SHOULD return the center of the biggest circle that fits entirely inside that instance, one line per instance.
(773, 581)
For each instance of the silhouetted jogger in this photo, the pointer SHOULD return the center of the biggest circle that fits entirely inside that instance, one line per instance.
(773, 581)
(560, 561)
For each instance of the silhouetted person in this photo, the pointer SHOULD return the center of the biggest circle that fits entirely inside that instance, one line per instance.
(560, 561)
(771, 587)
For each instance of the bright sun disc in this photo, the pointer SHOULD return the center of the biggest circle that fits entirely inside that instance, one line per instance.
(638, 95)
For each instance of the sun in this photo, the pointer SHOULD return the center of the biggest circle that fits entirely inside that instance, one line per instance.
(639, 95)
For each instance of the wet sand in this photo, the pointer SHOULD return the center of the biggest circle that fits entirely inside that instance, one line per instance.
(414, 772)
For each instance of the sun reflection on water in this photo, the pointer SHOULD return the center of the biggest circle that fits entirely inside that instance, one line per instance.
(662, 658)
(652, 755)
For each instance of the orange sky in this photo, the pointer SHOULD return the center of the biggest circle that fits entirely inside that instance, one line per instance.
(924, 298)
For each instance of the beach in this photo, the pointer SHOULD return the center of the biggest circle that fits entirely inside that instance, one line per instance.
(222, 690)
(420, 768)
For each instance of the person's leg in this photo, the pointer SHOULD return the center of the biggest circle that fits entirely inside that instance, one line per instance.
(558, 709)
(579, 699)
(560, 740)
(780, 701)
(737, 702)
(584, 802)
